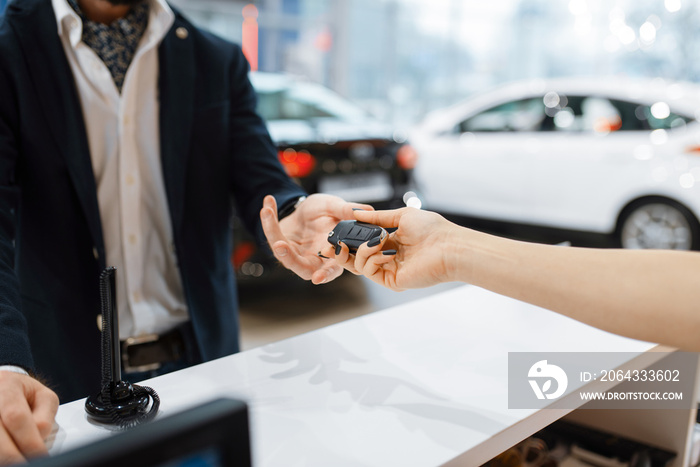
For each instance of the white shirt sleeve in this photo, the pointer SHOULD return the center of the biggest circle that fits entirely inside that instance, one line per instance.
(13, 369)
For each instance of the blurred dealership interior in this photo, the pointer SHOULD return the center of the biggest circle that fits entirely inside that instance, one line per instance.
(403, 58)
(409, 63)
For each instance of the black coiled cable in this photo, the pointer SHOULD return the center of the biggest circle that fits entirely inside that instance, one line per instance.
(119, 402)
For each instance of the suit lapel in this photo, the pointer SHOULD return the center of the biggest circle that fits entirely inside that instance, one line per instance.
(35, 25)
(177, 80)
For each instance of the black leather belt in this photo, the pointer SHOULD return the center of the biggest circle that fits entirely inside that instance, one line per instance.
(150, 351)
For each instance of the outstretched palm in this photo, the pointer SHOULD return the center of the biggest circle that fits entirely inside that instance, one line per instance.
(297, 239)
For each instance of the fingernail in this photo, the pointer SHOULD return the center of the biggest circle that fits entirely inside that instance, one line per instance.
(338, 249)
(357, 209)
(321, 256)
(322, 281)
(374, 242)
(389, 252)
(281, 252)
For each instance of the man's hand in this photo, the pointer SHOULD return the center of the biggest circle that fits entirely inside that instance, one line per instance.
(27, 411)
(299, 237)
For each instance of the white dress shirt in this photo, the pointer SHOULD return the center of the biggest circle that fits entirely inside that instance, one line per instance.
(124, 139)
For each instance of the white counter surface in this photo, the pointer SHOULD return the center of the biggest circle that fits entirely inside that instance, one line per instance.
(421, 384)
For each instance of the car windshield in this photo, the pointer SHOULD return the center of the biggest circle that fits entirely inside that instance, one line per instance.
(305, 101)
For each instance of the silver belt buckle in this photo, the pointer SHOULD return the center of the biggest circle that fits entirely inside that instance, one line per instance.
(142, 339)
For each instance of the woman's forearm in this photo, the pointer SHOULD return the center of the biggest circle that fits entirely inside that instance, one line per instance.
(644, 294)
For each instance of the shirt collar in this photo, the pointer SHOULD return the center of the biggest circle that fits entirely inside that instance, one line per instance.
(160, 20)
(68, 21)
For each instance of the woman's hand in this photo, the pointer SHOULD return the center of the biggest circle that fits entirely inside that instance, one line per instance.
(415, 255)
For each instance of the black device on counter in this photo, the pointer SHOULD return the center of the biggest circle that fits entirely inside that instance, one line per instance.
(118, 402)
(354, 234)
(214, 434)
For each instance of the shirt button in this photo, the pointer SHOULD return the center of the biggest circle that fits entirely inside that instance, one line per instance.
(99, 322)
(130, 180)
(126, 120)
(137, 296)
(132, 239)
(95, 253)
(182, 33)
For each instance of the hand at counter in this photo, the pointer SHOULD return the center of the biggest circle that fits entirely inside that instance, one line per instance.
(27, 411)
(650, 295)
(297, 239)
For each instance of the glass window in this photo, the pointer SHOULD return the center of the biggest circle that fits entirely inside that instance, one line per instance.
(591, 114)
(269, 105)
(303, 101)
(602, 115)
(576, 114)
(659, 121)
(280, 105)
(521, 115)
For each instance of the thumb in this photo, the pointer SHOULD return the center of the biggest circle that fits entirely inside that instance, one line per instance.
(44, 407)
(269, 204)
(386, 219)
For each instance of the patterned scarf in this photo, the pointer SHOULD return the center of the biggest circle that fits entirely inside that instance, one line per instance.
(115, 43)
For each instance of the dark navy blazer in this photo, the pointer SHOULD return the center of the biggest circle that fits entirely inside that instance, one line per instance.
(215, 151)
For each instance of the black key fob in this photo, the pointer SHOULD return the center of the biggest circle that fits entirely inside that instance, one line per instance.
(354, 234)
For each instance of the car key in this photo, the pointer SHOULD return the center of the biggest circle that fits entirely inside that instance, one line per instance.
(354, 234)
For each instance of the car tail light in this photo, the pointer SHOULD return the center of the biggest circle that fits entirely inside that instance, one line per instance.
(298, 164)
(406, 157)
(242, 253)
(607, 125)
(694, 150)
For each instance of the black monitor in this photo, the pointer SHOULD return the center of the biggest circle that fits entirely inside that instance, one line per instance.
(211, 435)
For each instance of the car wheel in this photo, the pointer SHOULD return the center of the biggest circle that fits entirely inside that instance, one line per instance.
(659, 225)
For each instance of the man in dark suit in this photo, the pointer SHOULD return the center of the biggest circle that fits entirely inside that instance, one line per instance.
(124, 133)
